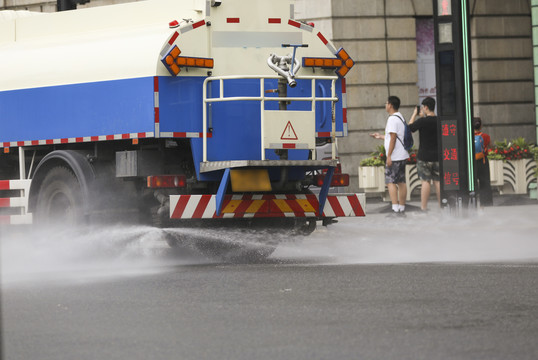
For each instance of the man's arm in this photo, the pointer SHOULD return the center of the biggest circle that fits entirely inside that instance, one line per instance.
(414, 116)
(392, 144)
(377, 136)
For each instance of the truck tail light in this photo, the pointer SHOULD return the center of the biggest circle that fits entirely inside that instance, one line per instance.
(167, 181)
(337, 180)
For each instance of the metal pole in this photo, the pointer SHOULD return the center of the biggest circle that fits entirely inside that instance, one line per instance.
(22, 165)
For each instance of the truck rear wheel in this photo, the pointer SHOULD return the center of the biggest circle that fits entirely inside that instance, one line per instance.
(59, 198)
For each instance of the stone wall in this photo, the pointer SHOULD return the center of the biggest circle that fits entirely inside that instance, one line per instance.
(503, 75)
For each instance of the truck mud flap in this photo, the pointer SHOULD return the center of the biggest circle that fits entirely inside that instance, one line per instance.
(266, 206)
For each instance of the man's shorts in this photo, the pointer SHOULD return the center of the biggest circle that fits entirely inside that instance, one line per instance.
(428, 170)
(396, 173)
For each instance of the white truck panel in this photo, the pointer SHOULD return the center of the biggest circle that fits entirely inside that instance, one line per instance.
(125, 41)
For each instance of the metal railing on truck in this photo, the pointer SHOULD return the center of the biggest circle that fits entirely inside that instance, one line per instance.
(262, 98)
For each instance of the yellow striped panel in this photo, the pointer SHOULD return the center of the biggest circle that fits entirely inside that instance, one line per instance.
(306, 205)
(231, 206)
(282, 205)
(255, 206)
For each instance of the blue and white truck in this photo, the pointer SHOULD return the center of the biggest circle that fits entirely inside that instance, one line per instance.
(171, 113)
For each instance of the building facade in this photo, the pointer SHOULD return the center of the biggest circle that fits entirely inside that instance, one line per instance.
(392, 43)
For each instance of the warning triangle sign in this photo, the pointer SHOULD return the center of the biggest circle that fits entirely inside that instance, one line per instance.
(289, 132)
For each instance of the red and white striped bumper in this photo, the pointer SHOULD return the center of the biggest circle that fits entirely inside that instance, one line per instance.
(16, 202)
(264, 206)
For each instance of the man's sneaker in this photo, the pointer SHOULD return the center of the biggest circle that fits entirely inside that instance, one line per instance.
(401, 214)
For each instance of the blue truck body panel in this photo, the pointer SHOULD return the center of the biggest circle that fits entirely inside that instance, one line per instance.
(128, 106)
(67, 111)
(180, 104)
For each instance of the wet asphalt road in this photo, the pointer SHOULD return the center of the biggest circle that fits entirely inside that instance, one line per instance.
(280, 310)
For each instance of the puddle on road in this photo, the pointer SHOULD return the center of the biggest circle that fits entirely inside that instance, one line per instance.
(495, 234)
(489, 235)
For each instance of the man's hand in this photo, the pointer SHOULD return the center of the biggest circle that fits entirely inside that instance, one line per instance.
(377, 136)
(389, 161)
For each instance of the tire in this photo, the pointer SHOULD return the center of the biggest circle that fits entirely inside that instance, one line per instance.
(59, 200)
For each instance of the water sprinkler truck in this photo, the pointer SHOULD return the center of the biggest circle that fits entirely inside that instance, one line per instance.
(172, 113)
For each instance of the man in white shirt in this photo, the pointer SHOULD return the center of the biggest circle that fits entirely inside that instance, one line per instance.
(396, 155)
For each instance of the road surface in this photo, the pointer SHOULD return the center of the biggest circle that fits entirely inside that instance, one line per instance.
(423, 287)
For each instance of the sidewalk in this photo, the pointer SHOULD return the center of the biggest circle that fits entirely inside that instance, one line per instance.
(375, 205)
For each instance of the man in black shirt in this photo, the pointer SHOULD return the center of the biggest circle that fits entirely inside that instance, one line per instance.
(428, 154)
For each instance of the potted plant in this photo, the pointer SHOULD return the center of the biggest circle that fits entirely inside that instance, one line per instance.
(496, 167)
(519, 163)
(372, 171)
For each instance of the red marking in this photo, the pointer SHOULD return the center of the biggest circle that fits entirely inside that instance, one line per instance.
(335, 204)
(6, 144)
(173, 38)
(274, 21)
(125, 136)
(64, 141)
(243, 206)
(198, 24)
(142, 135)
(356, 205)
(35, 142)
(272, 210)
(180, 207)
(200, 208)
(4, 184)
(157, 115)
(110, 137)
(294, 23)
(313, 200)
(79, 139)
(322, 38)
(156, 84)
(94, 138)
(5, 202)
(344, 115)
(179, 134)
(264, 210)
(232, 20)
(289, 128)
(343, 85)
(297, 209)
(20, 143)
(288, 146)
(49, 142)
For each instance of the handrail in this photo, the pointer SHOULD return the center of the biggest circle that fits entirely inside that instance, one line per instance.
(262, 98)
